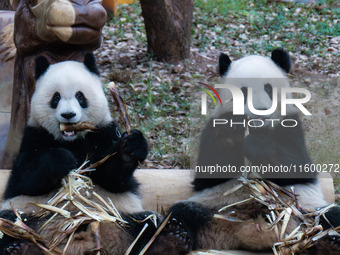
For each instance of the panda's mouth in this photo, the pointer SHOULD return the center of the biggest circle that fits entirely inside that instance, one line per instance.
(68, 130)
(69, 133)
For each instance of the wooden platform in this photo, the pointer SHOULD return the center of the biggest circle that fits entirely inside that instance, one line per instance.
(6, 74)
(161, 188)
(213, 252)
(5, 118)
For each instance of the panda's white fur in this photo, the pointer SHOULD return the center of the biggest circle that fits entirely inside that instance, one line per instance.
(254, 71)
(255, 66)
(68, 78)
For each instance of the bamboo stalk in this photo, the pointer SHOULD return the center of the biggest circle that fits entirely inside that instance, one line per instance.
(121, 105)
(160, 228)
(80, 126)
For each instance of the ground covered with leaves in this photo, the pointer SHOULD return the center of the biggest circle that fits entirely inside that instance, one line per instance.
(159, 94)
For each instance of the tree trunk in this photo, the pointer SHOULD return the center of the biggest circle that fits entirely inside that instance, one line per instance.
(168, 28)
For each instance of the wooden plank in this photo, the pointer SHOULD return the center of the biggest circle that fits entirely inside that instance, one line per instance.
(327, 187)
(4, 174)
(5, 118)
(214, 252)
(161, 188)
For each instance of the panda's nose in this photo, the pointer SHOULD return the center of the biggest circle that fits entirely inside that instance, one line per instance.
(68, 115)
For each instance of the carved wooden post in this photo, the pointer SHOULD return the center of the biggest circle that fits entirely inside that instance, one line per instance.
(9, 4)
(58, 29)
(7, 55)
(168, 28)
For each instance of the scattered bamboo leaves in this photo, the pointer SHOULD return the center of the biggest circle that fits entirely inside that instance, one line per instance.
(20, 230)
(78, 204)
(283, 206)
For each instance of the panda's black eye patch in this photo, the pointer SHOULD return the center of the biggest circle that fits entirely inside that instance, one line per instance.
(245, 93)
(81, 99)
(55, 100)
(269, 90)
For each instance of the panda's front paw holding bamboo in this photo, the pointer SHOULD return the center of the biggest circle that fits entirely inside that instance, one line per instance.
(134, 146)
(62, 161)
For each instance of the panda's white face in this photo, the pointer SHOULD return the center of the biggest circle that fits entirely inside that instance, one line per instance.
(263, 77)
(68, 93)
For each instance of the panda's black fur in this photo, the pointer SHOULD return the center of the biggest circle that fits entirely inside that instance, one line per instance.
(224, 145)
(279, 146)
(44, 161)
(71, 92)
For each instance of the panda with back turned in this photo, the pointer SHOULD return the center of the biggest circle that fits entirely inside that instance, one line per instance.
(261, 143)
(66, 93)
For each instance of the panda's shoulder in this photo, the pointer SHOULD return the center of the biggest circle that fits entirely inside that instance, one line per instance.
(36, 136)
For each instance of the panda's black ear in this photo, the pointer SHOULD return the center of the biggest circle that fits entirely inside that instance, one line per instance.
(281, 58)
(90, 63)
(41, 65)
(223, 64)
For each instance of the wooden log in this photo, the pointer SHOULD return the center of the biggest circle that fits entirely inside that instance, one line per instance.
(7, 54)
(4, 175)
(161, 188)
(214, 252)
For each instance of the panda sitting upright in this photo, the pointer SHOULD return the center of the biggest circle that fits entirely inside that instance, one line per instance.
(244, 225)
(71, 92)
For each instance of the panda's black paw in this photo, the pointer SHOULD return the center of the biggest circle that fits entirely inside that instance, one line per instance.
(329, 245)
(22, 248)
(134, 146)
(62, 161)
(174, 239)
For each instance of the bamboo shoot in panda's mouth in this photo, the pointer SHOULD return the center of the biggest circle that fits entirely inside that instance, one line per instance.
(76, 127)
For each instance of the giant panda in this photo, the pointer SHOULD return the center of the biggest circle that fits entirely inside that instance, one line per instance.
(71, 92)
(263, 143)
